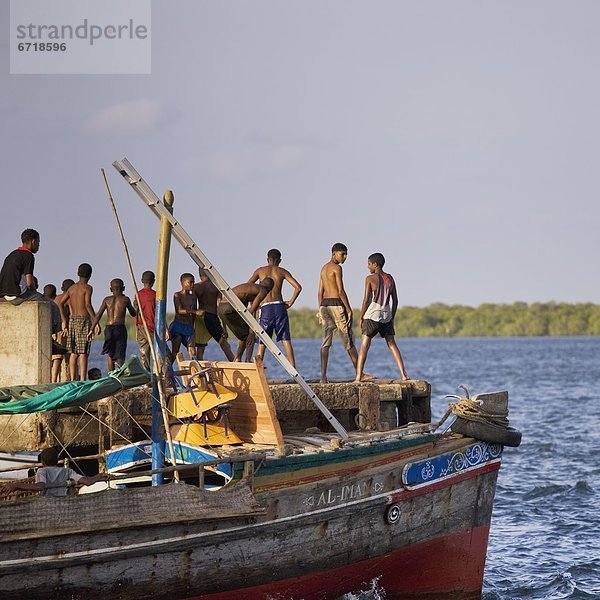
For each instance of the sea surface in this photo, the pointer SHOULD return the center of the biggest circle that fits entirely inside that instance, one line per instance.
(545, 532)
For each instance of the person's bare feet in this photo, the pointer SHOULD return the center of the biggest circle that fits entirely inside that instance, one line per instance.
(366, 377)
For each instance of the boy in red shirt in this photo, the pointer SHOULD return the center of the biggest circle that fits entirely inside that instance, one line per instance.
(148, 306)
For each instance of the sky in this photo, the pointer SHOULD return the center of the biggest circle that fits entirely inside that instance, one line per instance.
(460, 139)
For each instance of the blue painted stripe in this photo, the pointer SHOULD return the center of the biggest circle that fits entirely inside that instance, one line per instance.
(436, 468)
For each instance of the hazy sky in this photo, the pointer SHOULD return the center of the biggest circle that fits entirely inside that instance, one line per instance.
(459, 138)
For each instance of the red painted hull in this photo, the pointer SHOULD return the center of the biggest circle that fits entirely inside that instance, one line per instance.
(447, 567)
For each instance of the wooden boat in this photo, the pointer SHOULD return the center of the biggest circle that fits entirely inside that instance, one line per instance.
(304, 515)
(302, 512)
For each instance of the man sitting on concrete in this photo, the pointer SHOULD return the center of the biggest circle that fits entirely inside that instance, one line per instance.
(16, 276)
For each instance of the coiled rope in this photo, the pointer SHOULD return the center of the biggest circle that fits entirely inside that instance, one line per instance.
(471, 410)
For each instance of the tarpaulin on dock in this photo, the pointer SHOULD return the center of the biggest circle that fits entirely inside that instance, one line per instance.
(23, 399)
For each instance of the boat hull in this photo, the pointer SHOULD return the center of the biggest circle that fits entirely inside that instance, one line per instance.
(408, 515)
(411, 572)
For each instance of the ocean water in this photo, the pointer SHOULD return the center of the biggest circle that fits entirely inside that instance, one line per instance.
(545, 538)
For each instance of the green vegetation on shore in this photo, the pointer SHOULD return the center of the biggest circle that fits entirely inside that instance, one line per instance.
(442, 320)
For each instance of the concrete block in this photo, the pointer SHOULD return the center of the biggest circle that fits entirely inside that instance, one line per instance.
(25, 343)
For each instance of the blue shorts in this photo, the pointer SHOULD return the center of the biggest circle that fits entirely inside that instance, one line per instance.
(184, 331)
(274, 317)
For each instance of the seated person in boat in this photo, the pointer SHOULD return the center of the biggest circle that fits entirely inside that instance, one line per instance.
(16, 276)
(51, 479)
(377, 313)
(181, 329)
(115, 332)
(249, 294)
(208, 297)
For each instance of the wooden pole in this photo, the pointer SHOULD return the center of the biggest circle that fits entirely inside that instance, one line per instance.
(160, 343)
(159, 403)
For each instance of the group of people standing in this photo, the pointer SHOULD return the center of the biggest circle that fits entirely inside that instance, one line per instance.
(74, 321)
(379, 305)
(201, 313)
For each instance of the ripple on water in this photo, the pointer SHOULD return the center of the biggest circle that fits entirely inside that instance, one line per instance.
(545, 490)
(371, 591)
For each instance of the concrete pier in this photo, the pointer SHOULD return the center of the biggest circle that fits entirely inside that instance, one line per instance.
(25, 358)
(373, 406)
(25, 343)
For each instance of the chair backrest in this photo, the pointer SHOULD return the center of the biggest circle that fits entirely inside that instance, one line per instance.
(252, 414)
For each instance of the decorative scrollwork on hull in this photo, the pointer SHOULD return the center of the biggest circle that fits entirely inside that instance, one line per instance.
(438, 468)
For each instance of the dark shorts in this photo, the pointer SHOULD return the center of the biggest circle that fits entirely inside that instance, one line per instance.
(213, 326)
(232, 319)
(115, 342)
(372, 328)
(274, 318)
(183, 331)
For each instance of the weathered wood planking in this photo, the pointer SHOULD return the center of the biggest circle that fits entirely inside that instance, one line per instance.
(252, 414)
(308, 528)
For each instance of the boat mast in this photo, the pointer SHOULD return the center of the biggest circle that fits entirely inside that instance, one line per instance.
(160, 343)
(143, 190)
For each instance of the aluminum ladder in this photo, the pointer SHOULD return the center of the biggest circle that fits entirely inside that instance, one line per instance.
(155, 204)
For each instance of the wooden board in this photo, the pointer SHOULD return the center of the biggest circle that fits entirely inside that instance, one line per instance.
(252, 414)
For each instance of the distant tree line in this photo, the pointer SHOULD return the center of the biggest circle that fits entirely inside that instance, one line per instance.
(442, 320)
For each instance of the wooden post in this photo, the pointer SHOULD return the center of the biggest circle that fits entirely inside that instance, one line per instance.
(249, 473)
(160, 344)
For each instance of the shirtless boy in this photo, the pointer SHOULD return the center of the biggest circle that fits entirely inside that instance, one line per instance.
(60, 363)
(78, 298)
(273, 313)
(208, 297)
(181, 330)
(115, 332)
(377, 314)
(335, 311)
(249, 294)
